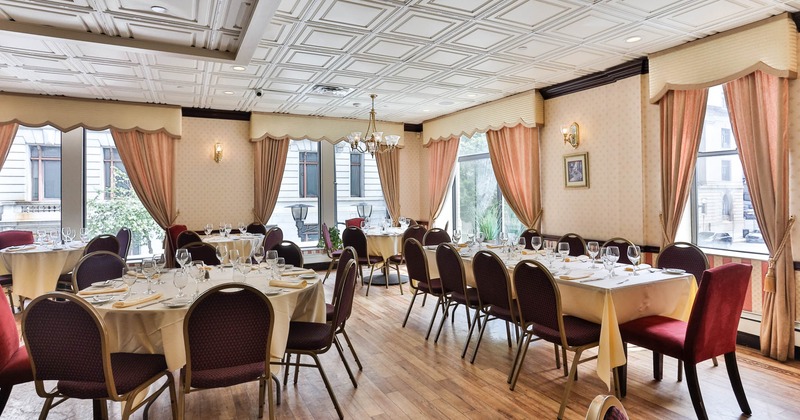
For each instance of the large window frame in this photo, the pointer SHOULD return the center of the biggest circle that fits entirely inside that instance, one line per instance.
(40, 175)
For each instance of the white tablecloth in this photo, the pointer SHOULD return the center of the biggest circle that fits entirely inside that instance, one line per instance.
(609, 303)
(244, 244)
(157, 329)
(36, 268)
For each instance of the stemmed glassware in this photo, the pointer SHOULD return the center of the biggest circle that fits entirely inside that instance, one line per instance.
(182, 257)
(456, 236)
(593, 248)
(242, 228)
(280, 263)
(258, 254)
(228, 229)
(536, 243)
(160, 261)
(197, 269)
(222, 252)
(550, 252)
(84, 235)
(520, 245)
(68, 234)
(208, 229)
(148, 269)
(129, 278)
(479, 237)
(243, 267)
(634, 254)
(563, 250)
(612, 256)
(272, 259)
(180, 280)
(233, 257)
(502, 238)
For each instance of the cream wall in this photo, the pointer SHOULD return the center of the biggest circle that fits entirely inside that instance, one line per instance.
(411, 168)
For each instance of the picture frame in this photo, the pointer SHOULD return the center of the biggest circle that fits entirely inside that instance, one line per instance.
(576, 170)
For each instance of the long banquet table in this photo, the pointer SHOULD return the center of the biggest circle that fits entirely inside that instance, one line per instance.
(607, 301)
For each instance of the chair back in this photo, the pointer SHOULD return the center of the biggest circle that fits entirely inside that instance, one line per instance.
(172, 235)
(96, 266)
(273, 237)
(528, 234)
(713, 322)
(228, 325)
(15, 238)
(66, 340)
(415, 231)
(538, 297)
(355, 237)
(102, 243)
(256, 227)
(606, 407)
(343, 306)
(416, 263)
(685, 256)
(577, 246)
(436, 236)
(348, 254)
(326, 237)
(187, 237)
(290, 252)
(491, 279)
(623, 245)
(355, 222)
(124, 238)
(451, 269)
(203, 251)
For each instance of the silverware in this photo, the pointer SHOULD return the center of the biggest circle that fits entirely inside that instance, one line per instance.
(623, 281)
(153, 303)
(590, 280)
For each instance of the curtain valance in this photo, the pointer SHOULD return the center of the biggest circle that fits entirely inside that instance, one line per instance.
(334, 130)
(525, 108)
(66, 114)
(769, 45)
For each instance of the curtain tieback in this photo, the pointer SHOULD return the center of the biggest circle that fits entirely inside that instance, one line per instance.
(536, 219)
(769, 279)
(663, 228)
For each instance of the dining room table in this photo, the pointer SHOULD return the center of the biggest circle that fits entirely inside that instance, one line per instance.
(589, 292)
(385, 242)
(36, 267)
(245, 243)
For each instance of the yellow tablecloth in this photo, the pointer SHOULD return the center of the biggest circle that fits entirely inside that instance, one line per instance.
(157, 329)
(384, 245)
(609, 303)
(244, 244)
(36, 270)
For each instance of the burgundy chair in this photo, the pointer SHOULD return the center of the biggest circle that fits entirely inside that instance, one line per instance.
(348, 254)
(539, 313)
(256, 227)
(290, 252)
(68, 343)
(417, 232)
(273, 237)
(187, 237)
(313, 338)
(528, 234)
(711, 331)
(494, 296)
(15, 366)
(436, 236)
(355, 237)
(577, 246)
(172, 241)
(417, 266)
(13, 238)
(124, 238)
(202, 251)
(96, 266)
(102, 243)
(224, 315)
(333, 254)
(355, 222)
(623, 245)
(454, 285)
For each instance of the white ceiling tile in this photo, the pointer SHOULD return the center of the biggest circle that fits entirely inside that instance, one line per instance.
(10, 42)
(363, 65)
(705, 14)
(322, 38)
(390, 48)
(459, 79)
(528, 14)
(587, 26)
(444, 57)
(355, 14)
(491, 65)
(285, 86)
(296, 74)
(420, 25)
(309, 58)
(469, 7)
(345, 80)
(418, 73)
(482, 38)
(578, 57)
(391, 86)
(649, 6)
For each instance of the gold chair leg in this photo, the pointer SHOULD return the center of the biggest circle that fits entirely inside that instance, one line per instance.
(573, 371)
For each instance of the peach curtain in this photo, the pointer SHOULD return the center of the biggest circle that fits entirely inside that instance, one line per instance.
(759, 110)
(441, 161)
(682, 116)
(514, 152)
(7, 133)
(389, 174)
(270, 160)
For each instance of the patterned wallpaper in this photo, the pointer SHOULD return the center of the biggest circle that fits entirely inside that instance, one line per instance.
(410, 176)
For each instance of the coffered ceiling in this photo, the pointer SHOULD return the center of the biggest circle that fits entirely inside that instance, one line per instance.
(424, 58)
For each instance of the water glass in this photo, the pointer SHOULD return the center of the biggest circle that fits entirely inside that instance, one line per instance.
(182, 257)
(502, 238)
(233, 255)
(148, 269)
(634, 254)
(84, 234)
(180, 280)
(456, 236)
(563, 250)
(228, 229)
(68, 234)
(593, 248)
(129, 278)
(222, 252)
(197, 269)
(208, 229)
(536, 243)
(612, 255)
(258, 254)
(521, 243)
(242, 228)
(160, 261)
(243, 267)
(479, 237)
(280, 263)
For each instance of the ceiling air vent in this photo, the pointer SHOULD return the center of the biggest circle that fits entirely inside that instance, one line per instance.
(326, 90)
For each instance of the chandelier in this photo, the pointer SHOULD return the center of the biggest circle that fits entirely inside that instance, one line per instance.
(373, 140)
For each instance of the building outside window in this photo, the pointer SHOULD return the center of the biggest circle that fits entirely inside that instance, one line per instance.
(357, 181)
(45, 172)
(300, 191)
(356, 175)
(309, 174)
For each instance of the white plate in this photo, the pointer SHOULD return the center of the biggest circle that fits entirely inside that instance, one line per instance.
(674, 271)
(177, 303)
(102, 283)
(102, 298)
(307, 276)
(272, 293)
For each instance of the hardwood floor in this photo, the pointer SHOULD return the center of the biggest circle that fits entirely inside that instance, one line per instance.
(407, 377)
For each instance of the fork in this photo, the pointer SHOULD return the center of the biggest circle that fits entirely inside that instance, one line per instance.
(623, 281)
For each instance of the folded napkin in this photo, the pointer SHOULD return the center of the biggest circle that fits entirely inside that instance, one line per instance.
(493, 246)
(532, 252)
(575, 275)
(640, 267)
(299, 272)
(103, 290)
(461, 245)
(139, 301)
(20, 248)
(578, 258)
(289, 284)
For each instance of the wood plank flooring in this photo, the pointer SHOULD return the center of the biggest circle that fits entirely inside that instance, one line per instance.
(406, 377)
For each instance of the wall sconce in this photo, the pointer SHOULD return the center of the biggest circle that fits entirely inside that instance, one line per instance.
(571, 135)
(217, 152)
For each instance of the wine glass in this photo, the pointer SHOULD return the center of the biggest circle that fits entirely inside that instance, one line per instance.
(233, 257)
(470, 237)
(208, 229)
(55, 237)
(180, 280)
(228, 229)
(129, 278)
(243, 267)
(222, 252)
(479, 237)
(550, 253)
(280, 263)
(536, 243)
(502, 238)
(607, 264)
(612, 255)
(182, 257)
(593, 248)
(242, 228)
(634, 254)
(67, 233)
(148, 269)
(258, 254)
(197, 269)
(563, 250)
(456, 236)
(84, 235)
(221, 229)
(160, 261)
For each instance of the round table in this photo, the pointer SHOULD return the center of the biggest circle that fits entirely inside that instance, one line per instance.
(245, 244)
(385, 244)
(36, 268)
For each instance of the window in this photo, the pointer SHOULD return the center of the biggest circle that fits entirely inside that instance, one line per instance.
(357, 181)
(478, 204)
(356, 175)
(114, 174)
(309, 174)
(45, 172)
(722, 215)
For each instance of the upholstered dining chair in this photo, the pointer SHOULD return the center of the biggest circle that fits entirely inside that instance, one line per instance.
(313, 338)
(539, 313)
(273, 237)
(290, 252)
(494, 296)
(102, 242)
(187, 237)
(606, 407)
(348, 254)
(15, 366)
(202, 251)
(577, 246)
(96, 266)
(172, 243)
(224, 315)
(355, 237)
(124, 237)
(12, 238)
(528, 234)
(417, 232)
(333, 254)
(710, 331)
(436, 236)
(256, 227)
(623, 245)
(355, 222)
(68, 343)
(417, 267)
(454, 285)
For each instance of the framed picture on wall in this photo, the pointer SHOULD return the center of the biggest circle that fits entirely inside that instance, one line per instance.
(576, 170)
